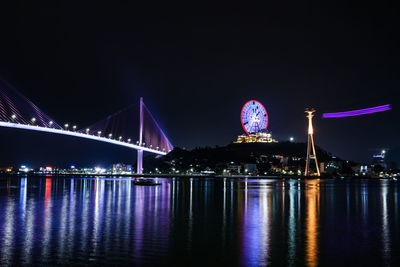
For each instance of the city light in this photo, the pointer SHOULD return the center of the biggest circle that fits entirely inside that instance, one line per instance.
(291, 139)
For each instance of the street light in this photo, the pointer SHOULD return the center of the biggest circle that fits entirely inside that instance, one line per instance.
(120, 138)
(291, 139)
(33, 120)
(66, 126)
(99, 133)
(51, 123)
(13, 116)
(74, 127)
(87, 131)
(129, 140)
(110, 135)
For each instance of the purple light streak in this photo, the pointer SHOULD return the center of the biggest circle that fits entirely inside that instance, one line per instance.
(356, 112)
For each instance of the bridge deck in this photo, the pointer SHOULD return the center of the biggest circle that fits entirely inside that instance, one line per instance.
(81, 135)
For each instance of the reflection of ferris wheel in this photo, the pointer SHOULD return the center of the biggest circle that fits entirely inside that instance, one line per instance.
(254, 117)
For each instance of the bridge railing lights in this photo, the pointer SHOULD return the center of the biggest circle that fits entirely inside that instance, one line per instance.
(87, 131)
(74, 127)
(66, 126)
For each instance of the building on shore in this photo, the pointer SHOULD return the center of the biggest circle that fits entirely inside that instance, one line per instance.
(258, 137)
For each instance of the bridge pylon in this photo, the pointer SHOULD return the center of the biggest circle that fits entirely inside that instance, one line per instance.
(140, 152)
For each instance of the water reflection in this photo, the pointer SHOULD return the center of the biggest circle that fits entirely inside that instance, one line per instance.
(48, 221)
(312, 222)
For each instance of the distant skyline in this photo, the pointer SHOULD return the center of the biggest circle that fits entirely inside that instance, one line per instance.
(195, 71)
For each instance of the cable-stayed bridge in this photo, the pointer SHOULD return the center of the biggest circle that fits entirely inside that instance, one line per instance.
(133, 127)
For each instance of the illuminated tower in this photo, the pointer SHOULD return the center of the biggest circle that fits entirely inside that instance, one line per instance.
(310, 154)
(140, 152)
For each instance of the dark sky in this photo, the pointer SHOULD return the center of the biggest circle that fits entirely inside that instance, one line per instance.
(196, 68)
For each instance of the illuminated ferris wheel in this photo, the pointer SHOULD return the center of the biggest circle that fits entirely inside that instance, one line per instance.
(254, 117)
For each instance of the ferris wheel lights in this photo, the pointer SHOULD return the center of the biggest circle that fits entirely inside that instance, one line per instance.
(254, 117)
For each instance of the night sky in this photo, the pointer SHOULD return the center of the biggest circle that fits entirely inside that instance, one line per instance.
(195, 69)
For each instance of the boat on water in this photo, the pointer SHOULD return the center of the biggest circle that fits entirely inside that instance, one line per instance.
(142, 181)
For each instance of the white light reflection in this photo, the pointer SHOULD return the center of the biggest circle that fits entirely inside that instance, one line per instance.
(257, 227)
(29, 231)
(6, 255)
(22, 198)
(98, 214)
(385, 225)
(293, 194)
(63, 223)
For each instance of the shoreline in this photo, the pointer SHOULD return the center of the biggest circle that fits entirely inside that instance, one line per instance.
(186, 176)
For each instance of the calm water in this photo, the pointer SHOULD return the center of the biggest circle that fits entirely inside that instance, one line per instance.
(76, 221)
